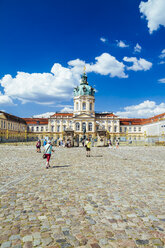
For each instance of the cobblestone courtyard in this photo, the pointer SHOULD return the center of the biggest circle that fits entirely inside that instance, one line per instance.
(115, 198)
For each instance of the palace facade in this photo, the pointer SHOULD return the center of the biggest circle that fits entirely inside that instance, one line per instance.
(83, 123)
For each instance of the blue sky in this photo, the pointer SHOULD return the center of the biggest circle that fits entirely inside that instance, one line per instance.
(45, 44)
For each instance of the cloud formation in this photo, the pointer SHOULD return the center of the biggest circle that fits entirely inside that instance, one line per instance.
(138, 65)
(57, 85)
(137, 48)
(162, 55)
(44, 115)
(142, 110)
(153, 11)
(162, 80)
(103, 39)
(5, 100)
(121, 44)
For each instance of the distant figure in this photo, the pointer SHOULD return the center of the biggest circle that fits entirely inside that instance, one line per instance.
(48, 150)
(45, 142)
(117, 143)
(88, 147)
(38, 146)
(110, 144)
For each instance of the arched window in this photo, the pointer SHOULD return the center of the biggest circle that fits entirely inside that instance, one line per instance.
(115, 129)
(77, 126)
(90, 106)
(109, 128)
(37, 128)
(84, 106)
(90, 126)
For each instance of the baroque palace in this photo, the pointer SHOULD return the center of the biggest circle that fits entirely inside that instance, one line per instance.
(82, 123)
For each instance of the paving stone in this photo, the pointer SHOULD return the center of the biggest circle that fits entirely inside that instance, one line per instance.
(6, 244)
(103, 201)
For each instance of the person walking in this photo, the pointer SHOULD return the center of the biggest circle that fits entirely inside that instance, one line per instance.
(117, 143)
(45, 142)
(38, 146)
(88, 147)
(48, 150)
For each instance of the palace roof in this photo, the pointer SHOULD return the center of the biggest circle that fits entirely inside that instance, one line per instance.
(10, 117)
(105, 115)
(131, 121)
(62, 115)
(37, 121)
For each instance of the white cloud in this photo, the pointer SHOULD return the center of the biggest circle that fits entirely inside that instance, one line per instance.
(138, 65)
(57, 86)
(154, 11)
(161, 62)
(162, 80)
(142, 110)
(44, 115)
(5, 100)
(103, 39)
(107, 65)
(137, 48)
(162, 55)
(121, 44)
(66, 110)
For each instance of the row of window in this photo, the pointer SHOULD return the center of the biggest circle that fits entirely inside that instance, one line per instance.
(130, 129)
(11, 126)
(84, 107)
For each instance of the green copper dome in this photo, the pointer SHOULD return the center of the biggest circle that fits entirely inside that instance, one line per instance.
(84, 89)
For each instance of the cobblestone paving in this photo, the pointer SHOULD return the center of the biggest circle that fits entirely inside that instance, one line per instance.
(115, 198)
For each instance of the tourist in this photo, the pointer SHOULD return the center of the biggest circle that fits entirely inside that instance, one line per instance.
(117, 143)
(38, 146)
(45, 142)
(48, 150)
(88, 147)
(110, 144)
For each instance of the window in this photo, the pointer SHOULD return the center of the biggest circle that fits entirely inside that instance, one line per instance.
(120, 129)
(130, 129)
(115, 122)
(77, 126)
(125, 129)
(84, 106)
(32, 129)
(37, 128)
(103, 121)
(90, 106)
(64, 127)
(115, 129)
(11, 125)
(109, 122)
(64, 121)
(90, 126)
(58, 121)
(134, 129)
(4, 124)
(97, 127)
(58, 128)
(140, 129)
(46, 128)
(8, 125)
(1, 124)
(42, 129)
(52, 128)
(109, 128)
(77, 106)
